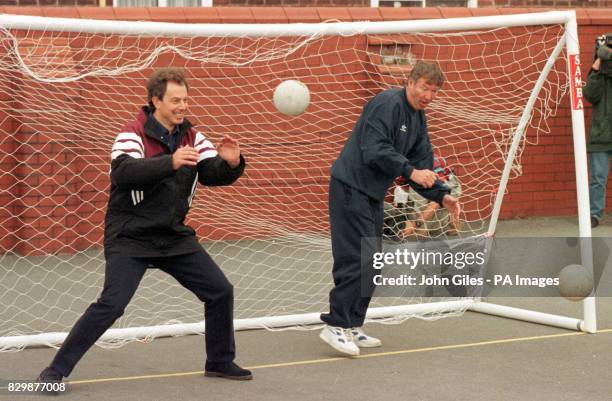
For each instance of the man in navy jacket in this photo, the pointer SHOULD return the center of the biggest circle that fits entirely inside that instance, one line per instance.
(389, 140)
(157, 161)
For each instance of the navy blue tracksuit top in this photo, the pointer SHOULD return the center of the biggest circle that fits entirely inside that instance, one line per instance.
(389, 140)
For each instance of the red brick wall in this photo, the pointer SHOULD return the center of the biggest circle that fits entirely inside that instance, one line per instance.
(342, 3)
(29, 226)
(49, 3)
(545, 3)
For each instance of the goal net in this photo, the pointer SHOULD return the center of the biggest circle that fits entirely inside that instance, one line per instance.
(70, 85)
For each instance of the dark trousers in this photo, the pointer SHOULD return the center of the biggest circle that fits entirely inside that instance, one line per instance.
(195, 271)
(355, 220)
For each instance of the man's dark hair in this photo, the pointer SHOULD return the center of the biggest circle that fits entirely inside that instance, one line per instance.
(158, 82)
(430, 71)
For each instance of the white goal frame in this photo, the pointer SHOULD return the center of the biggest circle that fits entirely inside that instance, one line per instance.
(570, 41)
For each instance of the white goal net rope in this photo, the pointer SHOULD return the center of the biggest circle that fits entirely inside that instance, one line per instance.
(67, 94)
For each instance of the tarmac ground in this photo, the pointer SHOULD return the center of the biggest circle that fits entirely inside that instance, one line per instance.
(474, 357)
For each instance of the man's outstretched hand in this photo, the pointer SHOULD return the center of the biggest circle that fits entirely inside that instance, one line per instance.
(229, 150)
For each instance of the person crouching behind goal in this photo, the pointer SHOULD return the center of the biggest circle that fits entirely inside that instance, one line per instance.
(156, 162)
(390, 139)
(410, 214)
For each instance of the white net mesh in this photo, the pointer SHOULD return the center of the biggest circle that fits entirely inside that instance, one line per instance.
(67, 94)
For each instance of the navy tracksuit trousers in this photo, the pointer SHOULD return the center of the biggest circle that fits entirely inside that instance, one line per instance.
(356, 224)
(195, 271)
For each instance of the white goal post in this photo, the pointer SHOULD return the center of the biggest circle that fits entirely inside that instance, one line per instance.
(69, 92)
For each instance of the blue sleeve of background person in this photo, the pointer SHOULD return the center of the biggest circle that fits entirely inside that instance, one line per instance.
(380, 122)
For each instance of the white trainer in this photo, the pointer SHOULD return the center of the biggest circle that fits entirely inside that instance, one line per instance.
(340, 339)
(362, 340)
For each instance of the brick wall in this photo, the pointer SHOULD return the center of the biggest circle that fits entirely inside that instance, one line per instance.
(49, 3)
(77, 207)
(545, 3)
(342, 3)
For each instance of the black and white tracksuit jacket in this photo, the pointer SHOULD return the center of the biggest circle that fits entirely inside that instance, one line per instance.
(148, 200)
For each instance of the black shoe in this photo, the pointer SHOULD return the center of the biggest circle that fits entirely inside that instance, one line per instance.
(50, 375)
(228, 370)
(594, 222)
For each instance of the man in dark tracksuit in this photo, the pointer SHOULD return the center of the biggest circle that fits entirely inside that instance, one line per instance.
(157, 160)
(389, 140)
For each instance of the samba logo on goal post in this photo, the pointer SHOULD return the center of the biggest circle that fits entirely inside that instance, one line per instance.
(576, 82)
